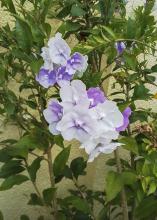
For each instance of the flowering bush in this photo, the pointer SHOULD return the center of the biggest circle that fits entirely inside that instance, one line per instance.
(64, 100)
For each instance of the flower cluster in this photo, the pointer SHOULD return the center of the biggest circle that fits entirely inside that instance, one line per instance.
(82, 114)
(59, 67)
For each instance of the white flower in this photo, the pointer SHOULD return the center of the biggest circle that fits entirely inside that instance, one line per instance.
(74, 94)
(103, 147)
(59, 50)
(77, 124)
(108, 116)
(48, 63)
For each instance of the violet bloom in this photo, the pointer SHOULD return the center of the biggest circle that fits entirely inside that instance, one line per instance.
(63, 76)
(53, 114)
(46, 78)
(77, 64)
(120, 47)
(95, 96)
(126, 114)
(77, 124)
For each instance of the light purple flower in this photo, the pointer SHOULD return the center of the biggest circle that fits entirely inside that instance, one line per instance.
(46, 78)
(53, 114)
(77, 64)
(120, 47)
(126, 114)
(74, 94)
(95, 96)
(77, 124)
(59, 51)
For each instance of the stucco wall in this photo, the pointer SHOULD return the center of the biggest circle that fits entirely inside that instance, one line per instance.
(13, 203)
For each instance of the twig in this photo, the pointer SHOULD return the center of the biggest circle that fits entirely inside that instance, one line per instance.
(52, 181)
(123, 194)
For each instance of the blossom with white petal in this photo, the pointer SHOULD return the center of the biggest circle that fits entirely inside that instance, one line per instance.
(77, 124)
(74, 94)
(48, 63)
(103, 147)
(59, 50)
(108, 115)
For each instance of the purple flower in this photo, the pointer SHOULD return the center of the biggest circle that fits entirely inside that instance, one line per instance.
(53, 114)
(46, 78)
(120, 47)
(126, 114)
(77, 63)
(62, 76)
(95, 96)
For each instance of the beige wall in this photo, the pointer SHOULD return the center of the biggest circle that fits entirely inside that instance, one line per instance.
(13, 203)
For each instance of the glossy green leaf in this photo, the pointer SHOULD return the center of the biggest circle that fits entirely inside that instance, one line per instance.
(129, 144)
(10, 168)
(48, 195)
(23, 35)
(34, 167)
(78, 203)
(12, 181)
(61, 160)
(78, 166)
(114, 185)
(77, 11)
(35, 200)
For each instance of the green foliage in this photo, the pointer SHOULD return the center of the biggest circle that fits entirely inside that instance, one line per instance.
(13, 180)
(61, 160)
(96, 26)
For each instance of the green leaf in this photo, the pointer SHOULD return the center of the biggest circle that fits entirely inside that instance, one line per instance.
(130, 61)
(10, 168)
(21, 148)
(146, 209)
(78, 203)
(152, 188)
(58, 139)
(78, 166)
(114, 185)
(48, 195)
(128, 178)
(77, 11)
(13, 180)
(109, 31)
(154, 68)
(35, 200)
(130, 144)
(36, 65)
(68, 26)
(4, 154)
(23, 35)
(9, 4)
(24, 217)
(34, 167)
(141, 92)
(61, 160)
(1, 216)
